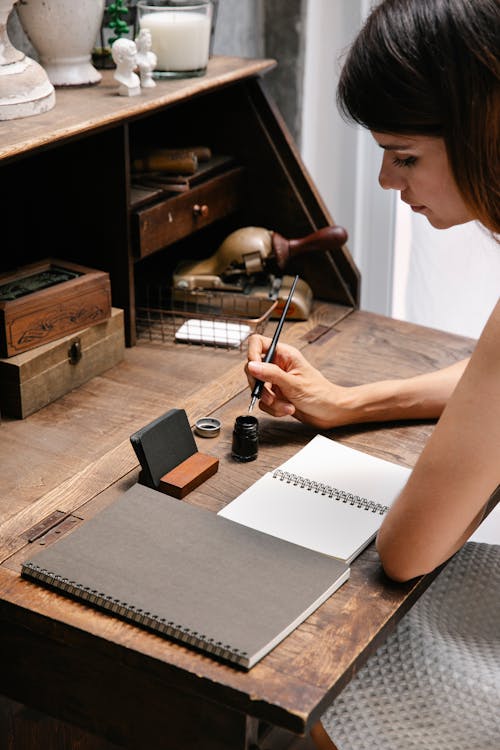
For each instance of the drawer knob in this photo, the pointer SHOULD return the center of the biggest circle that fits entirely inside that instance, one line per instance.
(200, 210)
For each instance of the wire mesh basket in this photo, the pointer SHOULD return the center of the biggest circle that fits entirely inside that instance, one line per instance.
(205, 318)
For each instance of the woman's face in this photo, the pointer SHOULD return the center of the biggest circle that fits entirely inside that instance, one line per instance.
(418, 167)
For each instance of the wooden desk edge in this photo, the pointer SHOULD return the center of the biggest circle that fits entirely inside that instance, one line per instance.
(102, 638)
(79, 633)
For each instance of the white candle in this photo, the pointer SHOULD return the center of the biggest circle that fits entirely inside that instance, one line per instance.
(180, 40)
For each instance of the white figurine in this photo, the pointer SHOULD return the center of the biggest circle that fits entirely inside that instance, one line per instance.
(146, 58)
(124, 54)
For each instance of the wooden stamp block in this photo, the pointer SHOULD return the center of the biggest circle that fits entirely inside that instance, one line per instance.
(188, 475)
(45, 301)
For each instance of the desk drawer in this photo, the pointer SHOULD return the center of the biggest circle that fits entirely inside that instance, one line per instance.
(176, 217)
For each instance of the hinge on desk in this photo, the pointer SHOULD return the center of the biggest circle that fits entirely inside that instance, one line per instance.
(68, 523)
(45, 525)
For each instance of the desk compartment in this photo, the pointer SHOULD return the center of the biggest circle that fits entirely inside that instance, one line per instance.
(178, 216)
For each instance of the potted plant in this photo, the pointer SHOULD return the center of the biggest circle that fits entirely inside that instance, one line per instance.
(118, 22)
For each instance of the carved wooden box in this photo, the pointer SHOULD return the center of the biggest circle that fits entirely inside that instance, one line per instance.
(34, 379)
(47, 300)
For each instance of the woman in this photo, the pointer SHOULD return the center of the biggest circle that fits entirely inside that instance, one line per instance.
(424, 77)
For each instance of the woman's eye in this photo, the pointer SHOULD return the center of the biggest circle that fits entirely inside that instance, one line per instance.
(408, 162)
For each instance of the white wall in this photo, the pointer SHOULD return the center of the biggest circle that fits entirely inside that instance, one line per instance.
(239, 28)
(328, 145)
(453, 278)
(447, 279)
(343, 159)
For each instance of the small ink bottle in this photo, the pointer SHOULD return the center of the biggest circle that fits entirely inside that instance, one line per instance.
(245, 438)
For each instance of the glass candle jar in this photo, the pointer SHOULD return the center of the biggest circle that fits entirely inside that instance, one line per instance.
(180, 35)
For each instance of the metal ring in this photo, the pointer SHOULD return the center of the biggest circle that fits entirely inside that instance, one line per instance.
(207, 427)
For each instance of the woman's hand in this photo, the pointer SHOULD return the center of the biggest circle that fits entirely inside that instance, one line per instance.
(294, 387)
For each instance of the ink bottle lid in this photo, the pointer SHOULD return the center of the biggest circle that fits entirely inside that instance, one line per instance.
(245, 438)
(207, 427)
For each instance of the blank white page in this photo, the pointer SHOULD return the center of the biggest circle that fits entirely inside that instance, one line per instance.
(311, 517)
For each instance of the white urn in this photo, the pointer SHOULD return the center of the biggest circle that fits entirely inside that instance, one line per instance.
(63, 33)
(25, 89)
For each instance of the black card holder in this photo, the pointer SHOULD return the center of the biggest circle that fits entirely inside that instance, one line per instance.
(162, 445)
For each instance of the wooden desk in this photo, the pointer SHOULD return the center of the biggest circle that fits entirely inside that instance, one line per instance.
(128, 688)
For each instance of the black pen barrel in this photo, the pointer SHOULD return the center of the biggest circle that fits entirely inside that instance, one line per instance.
(257, 389)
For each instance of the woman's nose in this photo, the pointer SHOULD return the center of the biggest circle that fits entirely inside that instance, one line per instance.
(390, 176)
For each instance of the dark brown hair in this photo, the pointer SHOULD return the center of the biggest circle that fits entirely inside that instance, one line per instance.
(432, 67)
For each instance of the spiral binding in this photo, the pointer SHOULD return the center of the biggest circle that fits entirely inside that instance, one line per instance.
(136, 615)
(320, 488)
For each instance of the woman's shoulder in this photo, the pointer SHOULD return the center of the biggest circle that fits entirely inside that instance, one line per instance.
(489, 341)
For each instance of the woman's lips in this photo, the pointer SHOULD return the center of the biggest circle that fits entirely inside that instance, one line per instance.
(418, 209)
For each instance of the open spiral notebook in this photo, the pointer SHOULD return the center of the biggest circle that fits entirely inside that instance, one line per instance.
(327, 497)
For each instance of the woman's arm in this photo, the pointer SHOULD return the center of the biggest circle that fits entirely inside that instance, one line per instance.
(294, 387)
(447, 493)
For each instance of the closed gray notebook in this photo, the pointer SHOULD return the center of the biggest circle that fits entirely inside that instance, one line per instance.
(190, 574)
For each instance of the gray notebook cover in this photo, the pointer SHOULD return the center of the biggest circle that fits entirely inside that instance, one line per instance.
(190, 574)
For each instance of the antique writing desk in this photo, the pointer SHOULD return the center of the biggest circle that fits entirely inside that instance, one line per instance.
(73, 677)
